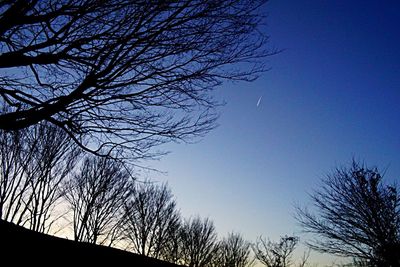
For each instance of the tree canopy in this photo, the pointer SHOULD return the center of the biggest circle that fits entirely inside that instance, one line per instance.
(356, 215)
(124, 74)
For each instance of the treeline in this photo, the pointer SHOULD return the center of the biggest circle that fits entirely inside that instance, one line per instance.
(45, 178)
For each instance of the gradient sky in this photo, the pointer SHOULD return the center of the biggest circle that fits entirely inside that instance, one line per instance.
(333, 94)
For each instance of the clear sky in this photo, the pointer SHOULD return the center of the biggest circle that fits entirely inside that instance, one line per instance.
(333, 94)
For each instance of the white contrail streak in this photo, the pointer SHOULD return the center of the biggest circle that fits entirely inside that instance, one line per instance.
(259, 101)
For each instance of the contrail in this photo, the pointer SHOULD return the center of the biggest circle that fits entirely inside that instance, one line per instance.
(259, 101)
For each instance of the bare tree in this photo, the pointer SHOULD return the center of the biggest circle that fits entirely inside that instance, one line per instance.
(234, 251)
(356, 215)
(96, 195)
(34, 162)
(124, 73)
(198, 242)
(15, 156)
(151, 216)
(171, 249)
(275, 254)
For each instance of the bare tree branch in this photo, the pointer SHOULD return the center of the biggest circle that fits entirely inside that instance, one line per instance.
(124, 74)
(356, 215)
(151, 216)
(275, 254)
(34, 162)
(96, 195)
(234, 251)
(198, 242)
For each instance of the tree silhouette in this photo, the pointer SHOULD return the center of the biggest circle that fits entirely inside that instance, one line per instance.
(234, 251)
(96, 195)
(151, 217)
(356, 215)
(122, 73)
(276, 254)
(172, 247)
(34, 162)
(198, 242)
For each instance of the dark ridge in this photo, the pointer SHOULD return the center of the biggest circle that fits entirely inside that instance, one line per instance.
(22, 246)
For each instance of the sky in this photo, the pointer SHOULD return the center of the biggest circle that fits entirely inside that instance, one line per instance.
(331, 95)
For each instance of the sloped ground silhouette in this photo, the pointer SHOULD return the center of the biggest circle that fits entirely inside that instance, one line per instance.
(20, 246)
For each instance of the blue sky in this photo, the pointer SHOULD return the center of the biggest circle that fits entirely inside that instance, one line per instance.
(333, 94)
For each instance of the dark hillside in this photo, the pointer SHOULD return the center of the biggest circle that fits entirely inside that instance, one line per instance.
(22, 246)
